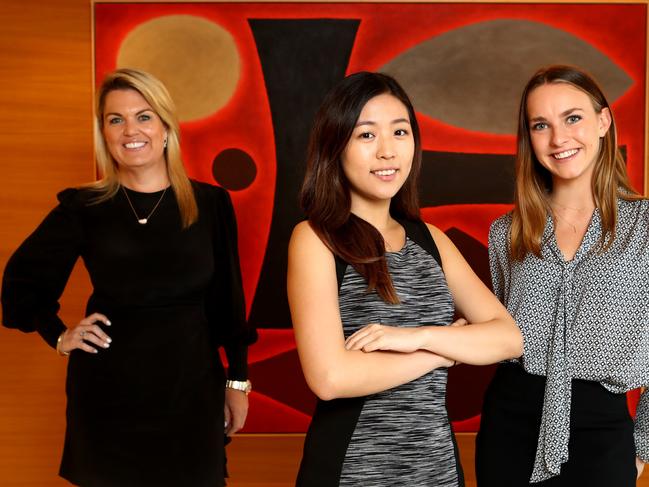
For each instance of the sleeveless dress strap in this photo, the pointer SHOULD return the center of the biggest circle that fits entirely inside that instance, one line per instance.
(418, 232)
(341, 267)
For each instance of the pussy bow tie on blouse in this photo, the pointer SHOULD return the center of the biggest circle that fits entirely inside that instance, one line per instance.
(552, 446)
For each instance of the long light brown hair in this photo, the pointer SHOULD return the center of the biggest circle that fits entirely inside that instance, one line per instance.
(156, 95)
(534, 182)
(325, 195)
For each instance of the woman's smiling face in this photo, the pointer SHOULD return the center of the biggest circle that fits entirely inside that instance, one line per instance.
(378, 156)
(134, 134)
(565, 130)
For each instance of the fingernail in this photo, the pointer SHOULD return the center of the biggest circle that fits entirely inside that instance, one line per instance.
(108, 322)
(109, 340)
(106, 345)
(94, 350)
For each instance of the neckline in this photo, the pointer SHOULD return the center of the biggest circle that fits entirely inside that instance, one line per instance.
(402, 249)
(144, 193)
(587, 241)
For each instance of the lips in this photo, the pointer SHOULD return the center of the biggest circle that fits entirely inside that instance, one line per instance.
(384, 172)
(565, 154)
(134, 145)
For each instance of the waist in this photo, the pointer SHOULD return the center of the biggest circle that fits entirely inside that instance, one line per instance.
(105, 305)
(525, 392)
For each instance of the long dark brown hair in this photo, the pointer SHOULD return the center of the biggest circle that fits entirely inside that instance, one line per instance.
(325, 195)
(534, 182)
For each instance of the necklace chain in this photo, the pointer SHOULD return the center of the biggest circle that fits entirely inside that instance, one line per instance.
(564, 219)
(144, 221)
(574, 227)
(565, 207)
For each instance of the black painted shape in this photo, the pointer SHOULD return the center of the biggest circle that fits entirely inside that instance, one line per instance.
(451, 178)
(234, 169)
(466, 388)
(301, 60)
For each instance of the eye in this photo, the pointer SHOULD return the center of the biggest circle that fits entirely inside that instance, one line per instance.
(144, 117)
(401, 132)
(539, 126)
(114, 120)
(366, 135)
(573, 119)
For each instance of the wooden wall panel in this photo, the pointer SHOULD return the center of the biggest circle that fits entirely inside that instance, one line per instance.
(46, 145)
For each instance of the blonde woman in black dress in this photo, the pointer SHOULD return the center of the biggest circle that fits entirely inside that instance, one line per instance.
(147, 395)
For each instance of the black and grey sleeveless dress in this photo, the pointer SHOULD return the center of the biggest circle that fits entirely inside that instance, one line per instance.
(402, 436)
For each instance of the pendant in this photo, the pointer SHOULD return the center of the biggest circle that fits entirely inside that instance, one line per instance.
(142, 221)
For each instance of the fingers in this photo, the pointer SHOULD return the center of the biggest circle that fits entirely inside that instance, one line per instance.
(459, 322)
(363, 336)
(87, 335)
(91, 319)
(94, 335)
(227, 424)
(639, 464)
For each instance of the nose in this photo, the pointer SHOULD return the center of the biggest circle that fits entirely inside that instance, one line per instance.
(130, 127)
(386, 148)
(559, 136)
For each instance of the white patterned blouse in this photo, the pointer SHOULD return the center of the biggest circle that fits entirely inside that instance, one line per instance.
(587, 318)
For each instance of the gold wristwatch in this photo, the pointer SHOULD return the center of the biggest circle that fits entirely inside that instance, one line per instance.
(239, 385)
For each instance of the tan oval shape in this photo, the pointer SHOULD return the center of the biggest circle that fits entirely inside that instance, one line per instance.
(196, 59)
(473, 76)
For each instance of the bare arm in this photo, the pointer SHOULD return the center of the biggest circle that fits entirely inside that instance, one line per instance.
(491, 336)
(332, 371)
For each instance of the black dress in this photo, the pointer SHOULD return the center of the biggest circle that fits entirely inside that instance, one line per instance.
(148, 411)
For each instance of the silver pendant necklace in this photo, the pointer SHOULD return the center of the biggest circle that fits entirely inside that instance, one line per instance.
(144, 221)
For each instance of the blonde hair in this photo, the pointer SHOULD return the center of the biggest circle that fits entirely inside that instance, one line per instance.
(534, 182)
(156, 95)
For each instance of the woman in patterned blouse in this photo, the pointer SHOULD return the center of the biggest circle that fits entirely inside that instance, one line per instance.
(570, 263)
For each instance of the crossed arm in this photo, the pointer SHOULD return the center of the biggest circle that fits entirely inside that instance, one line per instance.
(331, 370)
(491, 336)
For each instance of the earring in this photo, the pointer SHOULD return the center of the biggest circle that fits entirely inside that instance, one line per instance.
(164, 143)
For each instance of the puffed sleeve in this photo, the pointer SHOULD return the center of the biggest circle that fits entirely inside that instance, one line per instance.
(499, 257)
(226, 303)
(38, 271)
(641, 430)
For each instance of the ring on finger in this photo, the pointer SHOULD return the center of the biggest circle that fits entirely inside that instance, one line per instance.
(82, 334)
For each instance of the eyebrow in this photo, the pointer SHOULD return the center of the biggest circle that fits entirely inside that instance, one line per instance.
(562, 114)
(393, 122)
(138, 113)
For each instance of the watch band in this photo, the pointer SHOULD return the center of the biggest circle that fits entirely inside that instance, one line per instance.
(239, 385)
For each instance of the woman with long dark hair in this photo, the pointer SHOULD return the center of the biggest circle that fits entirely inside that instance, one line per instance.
(371, 290)
(570, 262)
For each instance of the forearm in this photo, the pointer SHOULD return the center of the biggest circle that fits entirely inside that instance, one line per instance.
(237, 356)
(355, 373)
(475, 344)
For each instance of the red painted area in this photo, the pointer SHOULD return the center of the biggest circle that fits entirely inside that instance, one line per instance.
(385, 32)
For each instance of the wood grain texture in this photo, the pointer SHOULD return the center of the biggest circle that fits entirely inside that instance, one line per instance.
(46, 145)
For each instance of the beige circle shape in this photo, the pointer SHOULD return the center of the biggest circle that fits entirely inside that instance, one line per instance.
(196, 59)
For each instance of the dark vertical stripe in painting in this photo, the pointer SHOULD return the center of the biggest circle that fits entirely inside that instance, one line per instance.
(301, 60)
